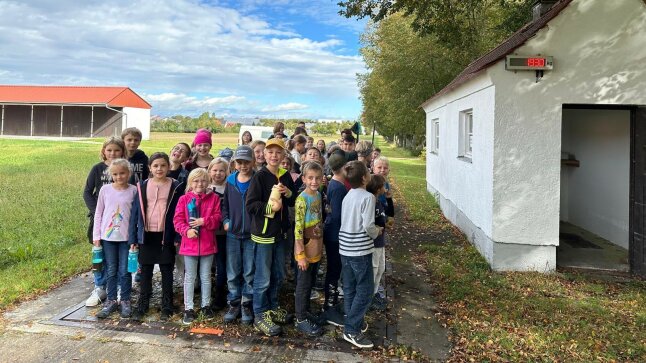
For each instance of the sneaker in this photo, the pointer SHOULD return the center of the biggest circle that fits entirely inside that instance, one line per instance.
(98, 296)
(378, 303)
(314, 295)
(281, 316)
(165, 315)
(189, 317)
(109, 307)
(207, 312)
(266, 325)
(138, 315)
(364, 327)
(233, 312)
(308, 327)
(358, 340)
(126, 309)
(247, 313)
(333, 316)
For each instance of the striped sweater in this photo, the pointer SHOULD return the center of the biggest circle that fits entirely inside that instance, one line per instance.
(358, 228)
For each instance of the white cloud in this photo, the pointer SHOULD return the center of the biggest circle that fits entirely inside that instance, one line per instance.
(160, 46)
(291, 106)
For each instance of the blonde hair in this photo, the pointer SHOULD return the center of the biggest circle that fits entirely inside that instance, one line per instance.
(216, 161)
(112, 141)
(196, 173)
(131, 131)
(119, 163)
(381, 159)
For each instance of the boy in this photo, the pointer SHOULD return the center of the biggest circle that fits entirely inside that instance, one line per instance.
(356, 235)
(137, 158)
(269, 226)
(308, 244)
(377, 188)
(336, 191)
(239, 246)
(309, 143)
(381, 166)
(364, 152)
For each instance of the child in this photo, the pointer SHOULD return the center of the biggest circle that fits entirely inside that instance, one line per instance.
(336, 191)
(269, 224)
(151, 228)
(178, 156)
(377, 188)
(258, 147)
(137, 158)
(321, 146)
(246, 138)
(240, 247)
(198, 239)
(202, 144)
(288, 164)
(218, 173)
(356, 244)
(111, 221)
(112, 149)
(299, 149)
(364, 152)
(381, 166)
(308, 245)
(309, 143)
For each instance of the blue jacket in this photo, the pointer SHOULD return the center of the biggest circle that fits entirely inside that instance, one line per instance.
(138, 212)
(234, 211)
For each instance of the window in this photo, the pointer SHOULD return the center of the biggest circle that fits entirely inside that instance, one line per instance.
(435, 136)
(466, 134)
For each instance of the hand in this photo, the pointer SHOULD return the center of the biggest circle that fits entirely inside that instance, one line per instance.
(281, 188)
(381, 230)
(389, 193)
(191, 233)
(134, 247)
(276, 205)
(96, 243)
(226, 227)
(196, 222)
(302, 264)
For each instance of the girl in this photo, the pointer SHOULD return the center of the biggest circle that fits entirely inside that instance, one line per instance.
(288, 164)
(218, 173)
(111, 221)
(202, 145)
(151, 227)
(309, 143)
(321, 146)
(112, 149)
(376, 186)
(246, 138)
(178, 156)
(198, 239)
(258, 147)
(279, 128)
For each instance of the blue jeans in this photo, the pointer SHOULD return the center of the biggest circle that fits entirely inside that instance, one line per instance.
(190, 263)
(116, 259)
(240, 268)
(268, 275)
(358, 285)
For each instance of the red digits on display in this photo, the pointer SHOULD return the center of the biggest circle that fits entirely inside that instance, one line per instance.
(536, 62)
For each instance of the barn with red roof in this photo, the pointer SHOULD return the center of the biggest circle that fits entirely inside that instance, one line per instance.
(537, 150)
(71, 111)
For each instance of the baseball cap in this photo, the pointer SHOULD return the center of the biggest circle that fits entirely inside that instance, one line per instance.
(226, 153)
(275, 142)
(243, 152)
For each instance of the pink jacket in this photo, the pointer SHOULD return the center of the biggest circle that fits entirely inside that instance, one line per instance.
(209, 206)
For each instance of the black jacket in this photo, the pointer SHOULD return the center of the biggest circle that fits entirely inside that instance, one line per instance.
(138, 213)
(98, 177)
(139, 164)
(265, 229)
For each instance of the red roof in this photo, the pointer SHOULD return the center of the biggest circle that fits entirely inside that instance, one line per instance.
(502, 50)
(111, 96)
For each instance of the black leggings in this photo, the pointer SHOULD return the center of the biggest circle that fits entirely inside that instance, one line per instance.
(146, 283)
(333, 273)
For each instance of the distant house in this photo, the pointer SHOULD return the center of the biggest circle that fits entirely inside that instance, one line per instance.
(245, 121)
(516, 155)
(71, 111)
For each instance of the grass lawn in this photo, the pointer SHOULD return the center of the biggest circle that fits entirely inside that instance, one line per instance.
(493, 316)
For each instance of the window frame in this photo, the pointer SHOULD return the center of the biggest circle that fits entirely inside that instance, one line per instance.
(465, 141)
(435, 136)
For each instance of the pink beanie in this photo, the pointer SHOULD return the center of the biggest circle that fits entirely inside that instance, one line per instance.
(202, 136)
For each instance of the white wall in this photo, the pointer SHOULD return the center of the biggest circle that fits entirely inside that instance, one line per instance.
(599, 51)
(139, 118)
(597, 193)
(466, 184)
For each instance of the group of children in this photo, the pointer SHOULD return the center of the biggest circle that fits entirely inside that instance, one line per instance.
(242, 213)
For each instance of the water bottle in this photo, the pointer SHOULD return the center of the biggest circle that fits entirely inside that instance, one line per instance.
(133, 258)
(97, 258)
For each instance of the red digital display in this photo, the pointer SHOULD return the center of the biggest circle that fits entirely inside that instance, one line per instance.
(536, 62)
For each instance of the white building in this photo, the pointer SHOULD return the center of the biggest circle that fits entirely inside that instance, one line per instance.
(512, 155)
(71, 111)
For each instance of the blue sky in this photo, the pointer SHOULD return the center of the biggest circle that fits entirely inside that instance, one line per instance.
(280, 58)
